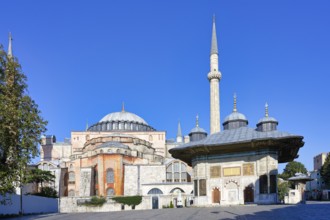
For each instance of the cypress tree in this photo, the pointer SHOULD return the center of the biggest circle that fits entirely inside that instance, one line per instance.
(325, 171)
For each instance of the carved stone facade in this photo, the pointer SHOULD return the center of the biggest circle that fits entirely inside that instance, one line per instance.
(232, 176)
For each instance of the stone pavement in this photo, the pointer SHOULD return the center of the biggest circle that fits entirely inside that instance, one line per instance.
(312, 210)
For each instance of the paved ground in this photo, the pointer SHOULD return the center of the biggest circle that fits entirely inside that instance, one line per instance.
(312, 210)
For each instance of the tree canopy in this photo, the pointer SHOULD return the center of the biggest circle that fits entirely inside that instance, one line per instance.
(325, 171)
(292, 168)
(21, 125)
(39, 177)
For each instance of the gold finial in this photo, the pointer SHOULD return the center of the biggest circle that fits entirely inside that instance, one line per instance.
(197, 124)
(235, 103)
(123, 107)
(266, 109)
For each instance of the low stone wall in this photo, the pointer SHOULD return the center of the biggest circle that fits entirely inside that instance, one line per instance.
(72, 204)
(31, 204)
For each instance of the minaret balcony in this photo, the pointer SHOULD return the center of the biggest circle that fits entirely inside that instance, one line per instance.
(214, 75)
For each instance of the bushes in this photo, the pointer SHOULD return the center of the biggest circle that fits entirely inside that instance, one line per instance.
(95, 201)
(128, 200)
(46, 192)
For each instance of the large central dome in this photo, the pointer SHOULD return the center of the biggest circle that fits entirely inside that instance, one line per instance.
(121, 121)
(123, 116)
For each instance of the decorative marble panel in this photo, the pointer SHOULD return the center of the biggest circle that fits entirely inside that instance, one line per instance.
(248, 169)
(215, 171)
(232, 171)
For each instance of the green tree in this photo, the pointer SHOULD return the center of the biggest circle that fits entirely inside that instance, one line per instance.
(292, 168)
(325, 171)
(21, 125)
(39, 177)
(282, 189)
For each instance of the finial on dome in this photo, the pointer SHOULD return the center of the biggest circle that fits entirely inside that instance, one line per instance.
(10, 50)
(86, 125)
(235, 103)
(123, 107)
(266, 110)
(197, 123)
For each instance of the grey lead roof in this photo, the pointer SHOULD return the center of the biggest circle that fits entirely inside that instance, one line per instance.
(197, 130)
(242, 134)
(214, 44)
(113, 144)
(235, 116)
(123, 116)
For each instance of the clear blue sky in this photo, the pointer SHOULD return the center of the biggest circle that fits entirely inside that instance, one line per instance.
(84, 58)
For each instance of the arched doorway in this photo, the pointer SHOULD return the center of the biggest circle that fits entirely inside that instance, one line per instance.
(248, 194)
(155, 202)
(216, 195)
(154, 199)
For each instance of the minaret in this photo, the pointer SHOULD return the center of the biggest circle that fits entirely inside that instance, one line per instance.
(10, 50)
(214, 77)
(179, 138)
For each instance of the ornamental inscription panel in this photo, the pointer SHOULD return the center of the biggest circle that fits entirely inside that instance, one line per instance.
(248, 169)
(232, 171)
(215, 171)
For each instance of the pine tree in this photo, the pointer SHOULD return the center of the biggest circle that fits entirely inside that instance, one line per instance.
(325, 171)
(21, 125)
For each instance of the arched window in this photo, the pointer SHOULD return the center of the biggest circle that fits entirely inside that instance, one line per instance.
(155, 191)
(71, 177)
(110, 192)
(177, 172)
(45, 167)
(177, 190)
(110, 176)
(71, 193)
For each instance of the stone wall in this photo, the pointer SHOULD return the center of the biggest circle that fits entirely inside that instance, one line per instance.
(70, 204)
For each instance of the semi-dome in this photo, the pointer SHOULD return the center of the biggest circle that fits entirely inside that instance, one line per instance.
(121, 121)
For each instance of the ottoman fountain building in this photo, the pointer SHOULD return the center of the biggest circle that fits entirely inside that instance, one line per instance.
(239, 164)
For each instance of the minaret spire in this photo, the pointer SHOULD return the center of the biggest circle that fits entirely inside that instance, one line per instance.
(266, 110)
(10, 50)
(214, 43)
(179, 134)
(123, 107)
(214, 77)
(86, 126)
(179, 138)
